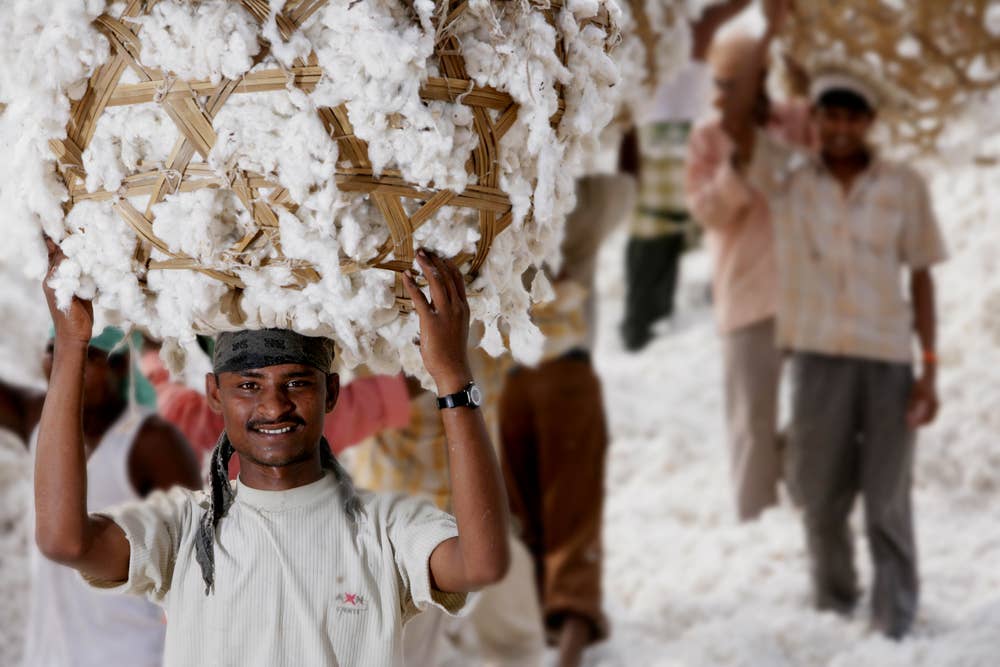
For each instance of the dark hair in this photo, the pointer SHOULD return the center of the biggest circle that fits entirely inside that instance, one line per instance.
(842, 98)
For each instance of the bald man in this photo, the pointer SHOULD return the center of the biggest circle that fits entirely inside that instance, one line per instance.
(738, 226)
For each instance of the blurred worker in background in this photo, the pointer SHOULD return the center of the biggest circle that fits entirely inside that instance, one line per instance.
(130, 452)
(738, 224)
(554, 434)
(661, 225)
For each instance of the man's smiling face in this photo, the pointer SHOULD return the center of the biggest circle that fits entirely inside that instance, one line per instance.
(274, 415)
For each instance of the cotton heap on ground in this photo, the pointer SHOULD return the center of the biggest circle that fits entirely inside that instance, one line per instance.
(227, 164)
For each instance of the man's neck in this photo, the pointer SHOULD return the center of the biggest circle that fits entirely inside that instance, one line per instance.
(280, 478)
(847, 169)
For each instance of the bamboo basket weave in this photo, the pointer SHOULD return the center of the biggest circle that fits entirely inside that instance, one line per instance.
(192, 105)
(941, 53)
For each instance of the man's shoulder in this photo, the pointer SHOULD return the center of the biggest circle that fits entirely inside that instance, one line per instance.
(904, 173)
(396, 508)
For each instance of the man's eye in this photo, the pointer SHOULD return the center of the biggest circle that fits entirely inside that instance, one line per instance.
(247, 386)
(299, 383)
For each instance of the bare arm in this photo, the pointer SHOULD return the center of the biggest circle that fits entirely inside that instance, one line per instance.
(703, 30)
(924, 399)
(63, 530)
(479, 555)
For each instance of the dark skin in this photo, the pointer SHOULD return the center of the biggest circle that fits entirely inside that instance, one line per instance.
(160, 457)
(274, 419)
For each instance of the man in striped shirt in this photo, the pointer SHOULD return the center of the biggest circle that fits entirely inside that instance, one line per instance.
(289, 564)
(849, 227)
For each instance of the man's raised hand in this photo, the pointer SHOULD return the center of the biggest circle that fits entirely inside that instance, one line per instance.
(444, 321)
(76, 324)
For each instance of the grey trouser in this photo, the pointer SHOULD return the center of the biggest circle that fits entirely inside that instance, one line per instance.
(849, 435)
(752, 374)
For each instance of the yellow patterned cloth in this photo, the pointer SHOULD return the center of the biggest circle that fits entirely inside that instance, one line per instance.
(414, 459)
(662, 208)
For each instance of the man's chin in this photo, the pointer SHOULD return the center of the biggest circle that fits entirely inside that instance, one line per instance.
(277, 452)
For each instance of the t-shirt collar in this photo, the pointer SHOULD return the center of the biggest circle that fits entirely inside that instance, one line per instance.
(300, 496)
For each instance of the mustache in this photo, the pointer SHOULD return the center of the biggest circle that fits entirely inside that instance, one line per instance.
(255, 424)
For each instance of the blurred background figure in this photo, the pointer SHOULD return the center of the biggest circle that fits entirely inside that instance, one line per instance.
(745, 281)
(852, 228)
(504, 627)
(554, 432)
(130, 453)
(661, 226)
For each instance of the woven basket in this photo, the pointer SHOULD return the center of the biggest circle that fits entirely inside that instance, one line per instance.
(940, 53)
(192, 105)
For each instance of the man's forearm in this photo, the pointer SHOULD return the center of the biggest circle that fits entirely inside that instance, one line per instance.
(924, 319)
(479, 501)
(61, 519)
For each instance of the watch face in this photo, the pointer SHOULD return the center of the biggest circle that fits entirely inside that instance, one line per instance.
(475, 395)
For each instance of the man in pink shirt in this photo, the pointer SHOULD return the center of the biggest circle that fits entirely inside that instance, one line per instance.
(365, 406)
(738, 225)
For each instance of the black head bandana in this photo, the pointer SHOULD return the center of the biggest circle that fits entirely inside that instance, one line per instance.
(245, 350)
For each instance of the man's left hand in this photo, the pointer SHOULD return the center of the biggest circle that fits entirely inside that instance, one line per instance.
(923, 402)
(444, 321)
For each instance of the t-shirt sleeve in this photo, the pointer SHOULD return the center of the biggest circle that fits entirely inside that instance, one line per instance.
(922, 243)
(415, 528)
(153, 528)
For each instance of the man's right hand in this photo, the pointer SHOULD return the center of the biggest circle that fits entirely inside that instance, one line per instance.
(76, 324)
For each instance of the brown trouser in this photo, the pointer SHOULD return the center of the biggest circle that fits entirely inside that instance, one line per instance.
(849, 435)
(554, 440)
(752, 375)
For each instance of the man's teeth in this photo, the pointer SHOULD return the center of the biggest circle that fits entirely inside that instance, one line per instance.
(275, 431)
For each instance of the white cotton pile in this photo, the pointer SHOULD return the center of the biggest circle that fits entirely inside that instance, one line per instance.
(375, 56)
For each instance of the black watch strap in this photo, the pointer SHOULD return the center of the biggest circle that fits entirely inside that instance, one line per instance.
(459, 399)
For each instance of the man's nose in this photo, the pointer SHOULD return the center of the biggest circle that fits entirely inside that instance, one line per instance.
(273, 404)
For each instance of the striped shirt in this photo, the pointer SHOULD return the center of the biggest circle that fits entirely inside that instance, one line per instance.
(295, 582)
(841, 256)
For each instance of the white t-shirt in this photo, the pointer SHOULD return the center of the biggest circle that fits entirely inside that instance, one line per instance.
(295, 582)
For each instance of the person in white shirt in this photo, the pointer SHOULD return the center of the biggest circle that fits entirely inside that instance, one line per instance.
(129, 452)
(289, 564)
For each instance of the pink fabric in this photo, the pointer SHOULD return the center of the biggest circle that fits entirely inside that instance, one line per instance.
(365, 406)
(737, 218)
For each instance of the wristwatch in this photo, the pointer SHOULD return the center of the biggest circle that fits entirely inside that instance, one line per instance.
(471, 396)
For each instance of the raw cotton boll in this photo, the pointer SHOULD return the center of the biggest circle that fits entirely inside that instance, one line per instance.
(99, 253)
(199, 40)
(199, 223)
(361, 230)
(47, 47)
(448, 235)
(375, 62)
(187, 302)
(126, 139)
(278, 135)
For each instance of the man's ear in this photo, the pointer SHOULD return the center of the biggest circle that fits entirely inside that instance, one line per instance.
(212, 393)
(332, 390)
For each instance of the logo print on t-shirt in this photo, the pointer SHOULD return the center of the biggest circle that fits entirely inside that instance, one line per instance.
(351, 603)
